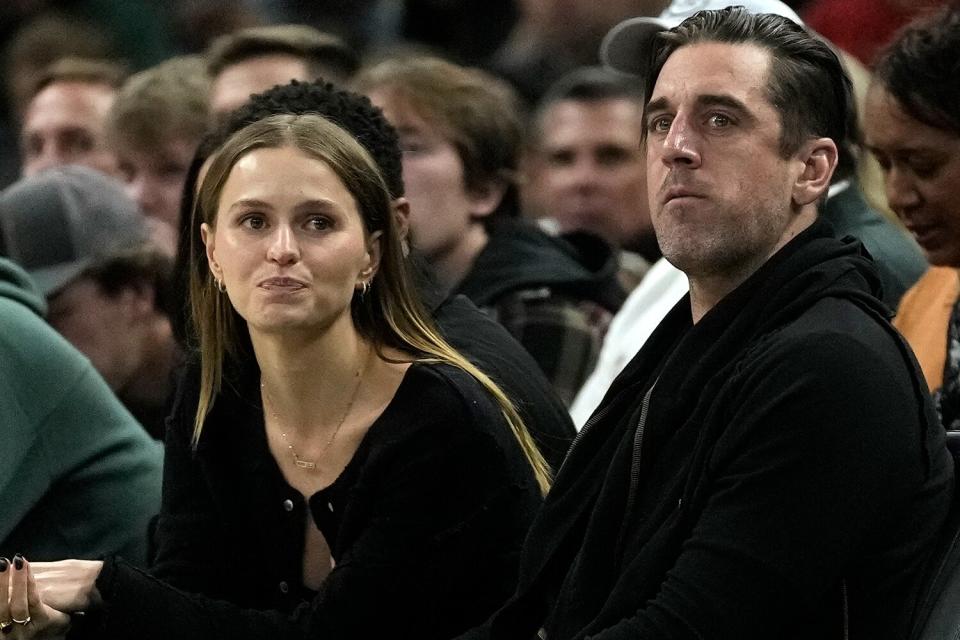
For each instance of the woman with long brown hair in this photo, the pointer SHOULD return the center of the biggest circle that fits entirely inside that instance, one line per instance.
(334, 469)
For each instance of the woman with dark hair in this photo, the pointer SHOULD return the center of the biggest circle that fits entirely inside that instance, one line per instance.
(335, 469)
(912, 126)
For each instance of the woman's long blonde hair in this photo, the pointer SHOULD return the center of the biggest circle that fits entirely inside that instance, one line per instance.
(389, 315)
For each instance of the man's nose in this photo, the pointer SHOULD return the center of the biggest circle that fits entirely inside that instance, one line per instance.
(680, 146)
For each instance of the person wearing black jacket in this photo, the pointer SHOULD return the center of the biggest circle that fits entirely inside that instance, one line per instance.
(485, 342)
(331, 433)
(769, 464)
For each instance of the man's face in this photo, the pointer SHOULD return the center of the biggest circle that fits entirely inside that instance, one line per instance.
(234, 85)
(64, 124)
(443, 212)
(721, 196)
(104, 328)
(154, 177)
(921, 170)
(589, 173)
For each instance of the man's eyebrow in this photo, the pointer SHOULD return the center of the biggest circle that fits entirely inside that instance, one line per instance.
(657, 105)
(721, 100)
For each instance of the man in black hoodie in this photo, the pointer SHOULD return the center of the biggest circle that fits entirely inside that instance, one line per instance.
(461, 134)
(769, 464)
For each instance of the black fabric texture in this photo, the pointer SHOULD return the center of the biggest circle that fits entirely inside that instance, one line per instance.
(790, 458)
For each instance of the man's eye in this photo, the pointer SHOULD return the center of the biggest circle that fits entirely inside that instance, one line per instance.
(413, 147)
(719, 120)
(659, 124)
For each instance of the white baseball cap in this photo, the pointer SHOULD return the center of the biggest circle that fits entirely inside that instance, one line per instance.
(626, 47)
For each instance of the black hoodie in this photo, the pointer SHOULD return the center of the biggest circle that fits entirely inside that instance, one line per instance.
(555, 295)
(774, 471)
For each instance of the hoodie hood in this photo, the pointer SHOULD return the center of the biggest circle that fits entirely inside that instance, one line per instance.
(521, 256)
(16, 285)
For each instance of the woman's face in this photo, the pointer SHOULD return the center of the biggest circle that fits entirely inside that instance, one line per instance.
(921, 167)
(289, 243)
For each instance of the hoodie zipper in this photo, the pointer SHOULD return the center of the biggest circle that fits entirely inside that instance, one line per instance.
(846, 610)
(635, 464)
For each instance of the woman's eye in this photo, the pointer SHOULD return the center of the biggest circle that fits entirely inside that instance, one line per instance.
(254, 222)
(319, 223)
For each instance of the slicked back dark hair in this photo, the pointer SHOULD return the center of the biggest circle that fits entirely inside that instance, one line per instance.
(921, 67)
(806, 85)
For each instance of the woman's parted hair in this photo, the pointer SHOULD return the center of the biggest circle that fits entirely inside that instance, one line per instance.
(389, 315)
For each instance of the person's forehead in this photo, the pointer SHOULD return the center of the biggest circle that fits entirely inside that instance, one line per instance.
(739, 70)
(74, 97)
(591, 116)
(276, 68)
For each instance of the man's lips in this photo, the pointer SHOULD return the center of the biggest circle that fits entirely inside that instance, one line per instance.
(674, 193)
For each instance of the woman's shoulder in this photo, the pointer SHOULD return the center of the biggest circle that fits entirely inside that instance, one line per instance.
(449, 386)
(436, 395)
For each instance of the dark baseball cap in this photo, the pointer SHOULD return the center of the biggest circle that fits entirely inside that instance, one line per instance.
(65, 220)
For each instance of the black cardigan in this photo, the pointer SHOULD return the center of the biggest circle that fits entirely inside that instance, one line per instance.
(425, 525)
(789, 474)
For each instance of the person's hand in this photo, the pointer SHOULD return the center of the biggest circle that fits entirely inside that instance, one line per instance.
(23, 615)
(68, 585)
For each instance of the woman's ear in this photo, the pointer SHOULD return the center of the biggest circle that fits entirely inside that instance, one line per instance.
(374, 252)
(207, 235)
(484, 199)
(819, 158)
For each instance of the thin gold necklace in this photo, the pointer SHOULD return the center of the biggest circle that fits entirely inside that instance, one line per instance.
(308, 465)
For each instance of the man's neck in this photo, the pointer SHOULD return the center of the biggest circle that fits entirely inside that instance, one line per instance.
(452, 266)
(706, 290)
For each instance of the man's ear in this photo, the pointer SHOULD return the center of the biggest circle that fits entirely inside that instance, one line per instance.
(819, 159)
(484, 199)
(207, 235)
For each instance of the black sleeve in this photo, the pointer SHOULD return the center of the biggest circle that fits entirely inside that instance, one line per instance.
(188, 554)
(437, 553)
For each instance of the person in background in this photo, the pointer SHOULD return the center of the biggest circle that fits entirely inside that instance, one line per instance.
(253, 60)
(769, 465)
(154, 127)
(88, 248)
(585, 170)
(63, 122)
(460, 132)
(913, 129)
(78, 476)
(329, 427)
(483, 341)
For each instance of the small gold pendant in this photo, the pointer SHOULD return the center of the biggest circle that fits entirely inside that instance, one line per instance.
(303, 464)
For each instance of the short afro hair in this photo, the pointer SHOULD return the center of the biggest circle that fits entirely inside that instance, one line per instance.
(351, 111)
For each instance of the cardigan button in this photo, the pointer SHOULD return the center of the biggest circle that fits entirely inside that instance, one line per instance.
(284, 587)
(288, 505)
(330, 506)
